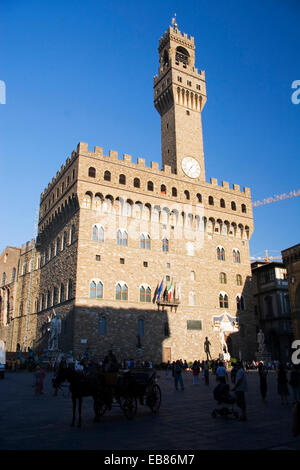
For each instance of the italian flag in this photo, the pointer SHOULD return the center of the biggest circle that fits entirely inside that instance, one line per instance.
(170, 288)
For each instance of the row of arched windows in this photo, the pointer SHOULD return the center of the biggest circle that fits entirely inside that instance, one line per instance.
(163, 189)
(59, 245)
(223, 279)
(122, 238)
(121, 291)
(55, 296)
(166, 216)
(59, 191)
(224, 303)
(236, 256)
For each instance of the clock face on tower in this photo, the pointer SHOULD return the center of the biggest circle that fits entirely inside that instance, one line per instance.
(191, 167)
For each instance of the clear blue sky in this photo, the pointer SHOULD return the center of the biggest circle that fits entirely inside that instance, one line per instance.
(83, 71)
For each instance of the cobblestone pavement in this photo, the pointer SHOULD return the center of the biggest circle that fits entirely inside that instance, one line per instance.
(184, 422)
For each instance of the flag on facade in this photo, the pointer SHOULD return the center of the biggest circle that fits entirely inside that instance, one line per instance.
(155, 293)
(170, 290)
(159, 290)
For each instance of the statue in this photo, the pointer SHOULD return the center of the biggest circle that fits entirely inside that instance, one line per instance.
(55, 330)
(207, 348)
(261, 341)
(225, 352)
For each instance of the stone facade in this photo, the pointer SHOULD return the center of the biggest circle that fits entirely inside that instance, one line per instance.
(291, 259)
(93, 196)
(272, 308)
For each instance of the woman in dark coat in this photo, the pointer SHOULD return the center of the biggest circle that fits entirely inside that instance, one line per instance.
(263, 372)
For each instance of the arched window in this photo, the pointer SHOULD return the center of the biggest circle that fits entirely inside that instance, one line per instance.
(140, 327)
(122, 179)
(3, 279)
(98, 233)
(121, 291)
(103, 326)
(192, 275)
(99, 290)
(223, 300)
(222, 203)
(145, 241)
(199, 197)
(122, 238)
(92, 172)
(174, 192)
(87, 201)
(240, 304)
(244, 209)
(150, 186)
(57, 245)
(107, 175)
(62, 293)
(233, 205)
(236, 256)
(220, 253)
(165, 245)
(70, 289)
(55, 297)
(223, 278)
(136, 183)
(65, 237)
(93, 290)
(187, 195)
(145, 294)
(13, 275)
(192, 298)
(210, 200)
(182, 56)
(163, 189)
(239, 281)
(21, 309)
(24, 268)
(72, 235)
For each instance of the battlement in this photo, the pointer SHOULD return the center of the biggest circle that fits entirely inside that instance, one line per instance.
(59, 173)
(28, 246)
(176, 34)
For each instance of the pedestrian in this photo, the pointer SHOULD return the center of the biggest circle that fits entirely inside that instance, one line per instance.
(233, 373)
(206, 373)
(295, 382)
(263, 372)
(196, 371)
(240, 388)
(37, 384)
(282, 384)
(178, 375)
(221, 373)
(168, 370)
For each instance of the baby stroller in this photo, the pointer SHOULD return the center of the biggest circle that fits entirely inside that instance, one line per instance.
(222, 395)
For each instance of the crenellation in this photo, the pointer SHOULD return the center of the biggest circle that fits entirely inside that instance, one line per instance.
(236, 187)
(155, 166)
(141, 162)
(98, 151)
(127, 158)
(167, 169)
(82, 147)
(113, 155)
(214, 181)
(225, 184)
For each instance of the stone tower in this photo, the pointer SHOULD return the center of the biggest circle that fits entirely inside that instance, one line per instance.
(179, 97)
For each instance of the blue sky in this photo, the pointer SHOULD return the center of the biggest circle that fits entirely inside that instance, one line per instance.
(83, 71)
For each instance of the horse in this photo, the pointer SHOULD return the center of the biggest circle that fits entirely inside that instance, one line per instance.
(83, 385)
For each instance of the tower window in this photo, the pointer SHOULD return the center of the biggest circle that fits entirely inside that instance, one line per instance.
(122, 179)
(136, 183)
(199, 197)
(233, 206)
(189, 83)
(244, 210)
(222, 203)
(187, 112)
(92, 172)
(174, 192)
(107, 175)
(179, 79)
(182, 56)
(150, 186)
(187, 195)
(210, 200)
(163, 189)
(198, 87)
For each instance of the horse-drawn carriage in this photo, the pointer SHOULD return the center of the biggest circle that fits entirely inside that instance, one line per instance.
(110, 389)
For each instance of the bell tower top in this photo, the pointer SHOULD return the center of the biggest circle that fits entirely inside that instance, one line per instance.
(179, 97)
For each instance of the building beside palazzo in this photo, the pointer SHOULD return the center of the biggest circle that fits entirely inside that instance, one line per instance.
(272, 308)
(291, 259)
(111, 230)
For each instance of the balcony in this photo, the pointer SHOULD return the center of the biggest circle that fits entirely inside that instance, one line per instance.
(172, 303)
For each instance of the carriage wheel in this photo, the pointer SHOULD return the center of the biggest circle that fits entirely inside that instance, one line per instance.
(129, 406)
(154, 398)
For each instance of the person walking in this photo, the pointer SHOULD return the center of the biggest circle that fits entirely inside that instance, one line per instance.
(263, 372)
(282, 384)
(221, 373)
(195, 371)
(295, 382)
(178, 375)
(240, 388)
(168, 370)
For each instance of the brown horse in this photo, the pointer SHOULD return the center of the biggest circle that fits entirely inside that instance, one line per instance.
(83, 385)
